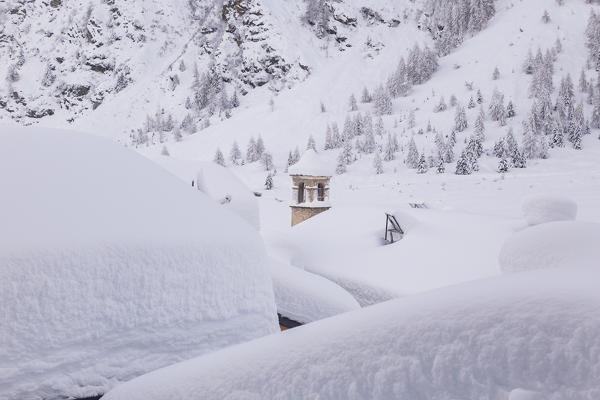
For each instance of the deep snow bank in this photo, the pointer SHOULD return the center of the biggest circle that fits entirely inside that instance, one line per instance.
(218, 183)
(111, 267)
(552, 245)
(538, 331)
(306, 297)
(540, 209)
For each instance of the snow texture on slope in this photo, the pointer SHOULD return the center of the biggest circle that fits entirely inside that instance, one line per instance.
(538, 332)
(110, 267)
(552, 245)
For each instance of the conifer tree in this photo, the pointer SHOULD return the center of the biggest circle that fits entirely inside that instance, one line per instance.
(328, 139)
(479, 128)
(546, 17)
(311, 144)
(503, 165)
(412, 158)
(269, 182)
(479, 97)
(441, 105)
(296, 155)
(583, 83)
(497, 106)
(260, 148)
(219, 159)
(165, 151)
(462, 165)
(389, 152)
(595, 121)
(510, 109)
(499, 149)
(341, 165)
(382, 102)
(440, 168)
(347, 155)
(471, 103)
(377, 164)
(235, 155)
(352, 101)
(366, 96)
(267, 160)
(290, 161)
(496, 74)
(251, 153)
(460, 119)
(422, 165)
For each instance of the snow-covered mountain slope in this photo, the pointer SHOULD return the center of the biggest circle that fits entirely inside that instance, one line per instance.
(516, 29)
(112, 63)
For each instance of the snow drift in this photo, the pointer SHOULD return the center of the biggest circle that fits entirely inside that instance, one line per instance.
(552, 245)
(521, 335)
(306, 297)
(111, 267)
(541, 209)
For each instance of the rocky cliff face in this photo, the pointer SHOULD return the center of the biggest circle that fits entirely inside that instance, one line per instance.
(64, 59)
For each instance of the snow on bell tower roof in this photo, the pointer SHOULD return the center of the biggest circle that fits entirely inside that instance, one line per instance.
(310, 164)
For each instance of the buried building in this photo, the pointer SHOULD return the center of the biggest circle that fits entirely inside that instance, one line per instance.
(310, 187)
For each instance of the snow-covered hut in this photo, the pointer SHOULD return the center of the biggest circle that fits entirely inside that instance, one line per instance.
(310, 187)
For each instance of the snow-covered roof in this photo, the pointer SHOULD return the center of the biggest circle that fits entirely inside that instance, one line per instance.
(218, 183)
(306, 297)
(310, 164)
(496, 339)
(111, 267)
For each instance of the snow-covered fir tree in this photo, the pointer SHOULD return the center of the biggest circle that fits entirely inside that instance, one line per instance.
(269, 182)
(412, 157)
(496, 107)
(422, 165)
(267, 160)
(365, 96)
(235, 155)
(503, 165)
(352, 103)
(441, 106)
(165, 151)
(496, 74)
(311, 144)
(460, 119)
(251, 151)
(377, 164)
(389, 153)
(219, 158)
(382, 102)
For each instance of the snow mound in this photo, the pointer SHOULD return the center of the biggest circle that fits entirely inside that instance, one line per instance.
(311, 164)
(407, 222)
(538, 330)
(543, 208)
(552, 245)
(306, 297)
(224, 187)
(111, 267)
